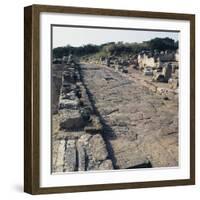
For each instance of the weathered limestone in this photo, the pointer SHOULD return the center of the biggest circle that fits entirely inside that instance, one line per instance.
(155, 59)
(161, 152)
(106, 165)
(70, 156)
(167, 71)
(84, 96)
(68, 104)
(97, 148)
(69, 76)
(127, 153)
(93, 153)
(70, 95)
(84, 139)
(81, 151)
(150, 86)
(81, 156)
(140, 118)
(64, 134)
(71, 119)
(93, 127)
(67, 87)
(165, 75)
(135, 126)
(58, 157)
(173, 83)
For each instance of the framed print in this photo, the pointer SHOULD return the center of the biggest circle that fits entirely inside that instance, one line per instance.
(109, 99)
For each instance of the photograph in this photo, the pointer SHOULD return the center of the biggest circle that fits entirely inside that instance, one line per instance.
(109, 99)
(114, 98)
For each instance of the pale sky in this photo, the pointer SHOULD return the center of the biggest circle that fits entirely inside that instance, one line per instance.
(74, 36)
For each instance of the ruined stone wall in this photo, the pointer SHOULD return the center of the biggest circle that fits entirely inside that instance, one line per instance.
(77, 145)
(167, 57)
(145, 61)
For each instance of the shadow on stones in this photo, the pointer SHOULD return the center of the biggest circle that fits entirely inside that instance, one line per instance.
(143, 165)
(107, 131)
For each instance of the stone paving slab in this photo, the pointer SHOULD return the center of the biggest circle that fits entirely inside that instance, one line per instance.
(143, 122)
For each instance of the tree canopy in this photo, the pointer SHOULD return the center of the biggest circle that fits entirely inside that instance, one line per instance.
(119, 48)
(162, 44)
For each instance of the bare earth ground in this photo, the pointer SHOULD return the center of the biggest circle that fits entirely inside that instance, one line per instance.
(140, 128)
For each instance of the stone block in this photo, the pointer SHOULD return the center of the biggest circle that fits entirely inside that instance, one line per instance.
(106, 165)
(97, 148)
(71, 119)
(167, 71)
(70, 95)
(94, 126)
(68, 104)
(68, 77)
(70, 156)
(84, 139)
(81, 156)
(67, 87)
(58, 156)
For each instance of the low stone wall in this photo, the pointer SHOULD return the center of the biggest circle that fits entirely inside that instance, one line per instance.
(78, 145)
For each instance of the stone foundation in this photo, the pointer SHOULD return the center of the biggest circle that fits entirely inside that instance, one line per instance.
(78, 145)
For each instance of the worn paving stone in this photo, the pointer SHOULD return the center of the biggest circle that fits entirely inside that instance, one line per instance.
(70, 156)
(84, 139)
(141, 116)
(59, 153)
(98, 148)
(106, 165)
(81, 156)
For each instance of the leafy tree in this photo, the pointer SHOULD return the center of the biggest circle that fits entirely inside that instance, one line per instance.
(162, 44)
(116, 49)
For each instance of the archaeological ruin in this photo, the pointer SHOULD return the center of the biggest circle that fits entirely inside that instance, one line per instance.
(108, 115)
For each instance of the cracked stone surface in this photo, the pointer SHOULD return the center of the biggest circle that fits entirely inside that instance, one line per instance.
(138, 125)
(131, 125)
(70, 156)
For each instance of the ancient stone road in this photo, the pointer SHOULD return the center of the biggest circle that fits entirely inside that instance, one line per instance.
(140, 128)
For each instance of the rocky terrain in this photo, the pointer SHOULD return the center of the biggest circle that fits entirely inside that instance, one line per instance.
(107, 120)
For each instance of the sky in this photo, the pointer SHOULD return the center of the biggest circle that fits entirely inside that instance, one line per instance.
(76, 36)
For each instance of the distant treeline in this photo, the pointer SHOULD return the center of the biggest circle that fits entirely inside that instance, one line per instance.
(119, 48)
